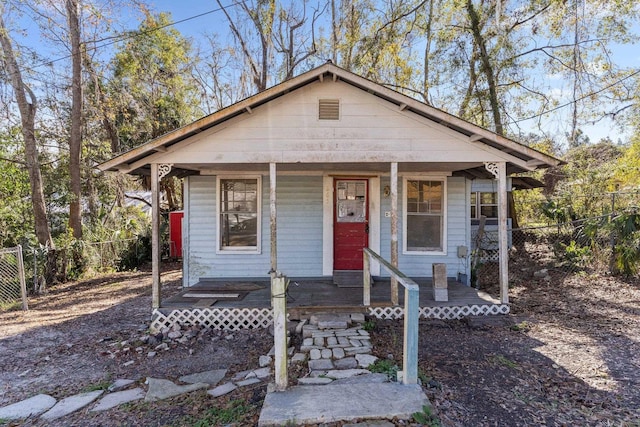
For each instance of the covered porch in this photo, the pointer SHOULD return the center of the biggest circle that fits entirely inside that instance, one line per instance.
(302, 178)
(238, 303)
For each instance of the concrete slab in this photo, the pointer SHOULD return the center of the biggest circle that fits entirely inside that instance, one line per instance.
(248, 381)
(346, 373)
(314, 381)
(120, 384)
(313, 404)
(223, 389)
(363, 379)
(160, 389)
(260, 373)
(70, 404)
(212, 377)
(112, 400)
(30, 407)
(299, 358)
(346, 363)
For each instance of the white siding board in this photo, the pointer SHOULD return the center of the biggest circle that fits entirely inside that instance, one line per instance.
(287, 129)
(299, 231)
(420, 265)
(300, 225)
(488, 185)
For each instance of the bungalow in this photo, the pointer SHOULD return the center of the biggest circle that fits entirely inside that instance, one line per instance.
(302, 176)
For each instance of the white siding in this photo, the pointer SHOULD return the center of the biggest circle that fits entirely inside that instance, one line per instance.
(488, 185)
(287, 130)
(299, 225)
(457, 233)
(202, 258)
(299, 231)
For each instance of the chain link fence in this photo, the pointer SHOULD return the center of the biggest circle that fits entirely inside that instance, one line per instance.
(12, 277)
(45, 266)
(608, 244)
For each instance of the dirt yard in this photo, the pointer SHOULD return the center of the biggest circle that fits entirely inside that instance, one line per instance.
(568, 355)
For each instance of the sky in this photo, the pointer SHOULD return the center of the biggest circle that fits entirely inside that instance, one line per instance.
(214, 21)
(625, 55)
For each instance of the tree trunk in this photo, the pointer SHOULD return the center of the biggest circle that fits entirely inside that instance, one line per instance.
(487, 68)
(427, 51)
(27, 109)
(75, 136)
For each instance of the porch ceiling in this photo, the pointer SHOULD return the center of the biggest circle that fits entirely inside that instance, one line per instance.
(466, 169)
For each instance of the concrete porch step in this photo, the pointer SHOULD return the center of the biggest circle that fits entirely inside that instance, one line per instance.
(301, 405)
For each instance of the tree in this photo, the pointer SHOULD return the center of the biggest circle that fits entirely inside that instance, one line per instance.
(27, 106)
(152, 89)
(75, 134)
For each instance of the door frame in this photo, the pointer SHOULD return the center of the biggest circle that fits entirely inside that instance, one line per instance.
(328, 201)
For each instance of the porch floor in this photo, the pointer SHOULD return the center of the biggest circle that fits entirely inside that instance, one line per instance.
(314, 294)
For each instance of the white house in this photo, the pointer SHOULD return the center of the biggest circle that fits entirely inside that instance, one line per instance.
(301, 177)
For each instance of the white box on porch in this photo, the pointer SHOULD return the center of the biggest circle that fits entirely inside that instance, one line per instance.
(440, 290)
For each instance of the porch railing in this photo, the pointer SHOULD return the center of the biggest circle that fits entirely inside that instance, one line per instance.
(411, 312)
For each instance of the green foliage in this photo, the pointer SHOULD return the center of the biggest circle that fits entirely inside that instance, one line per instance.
(234, 412)
(385, 366)
(572, 254)
(136, 253)
(369, 325)
(502, 360)
(16, 211)
(426, 417)
(10, 305)
(521, 327)
(626, 253)
(556, 211)
(152, 88)
(102, 385)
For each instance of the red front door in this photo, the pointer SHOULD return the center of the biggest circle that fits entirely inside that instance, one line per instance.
(351, 223)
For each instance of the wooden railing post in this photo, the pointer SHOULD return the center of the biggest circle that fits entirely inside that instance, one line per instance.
(410, 343)
(279, 304)
(411, 313)
(394, 230)
(366, 278)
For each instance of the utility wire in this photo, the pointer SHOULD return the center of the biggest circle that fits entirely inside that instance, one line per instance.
(129, 35)
(615, 83)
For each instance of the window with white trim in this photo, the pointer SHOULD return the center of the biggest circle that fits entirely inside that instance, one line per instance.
(484, 203)
(239, 214)
(424, 215)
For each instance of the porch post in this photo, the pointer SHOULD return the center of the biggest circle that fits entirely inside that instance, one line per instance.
(155, 236)
(502, 232)
(273, 217)
(279, 303)
(278, 292)
(394, 230)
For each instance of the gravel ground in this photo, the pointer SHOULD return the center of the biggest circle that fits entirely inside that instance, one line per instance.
(568, 355)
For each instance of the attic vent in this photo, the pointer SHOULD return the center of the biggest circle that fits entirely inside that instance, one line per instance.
(329, 109)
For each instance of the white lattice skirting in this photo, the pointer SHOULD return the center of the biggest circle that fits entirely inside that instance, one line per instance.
(451, 312)
(230, 319)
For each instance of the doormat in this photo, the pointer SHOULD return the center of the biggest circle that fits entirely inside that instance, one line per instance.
(215, 294)
(229, 286)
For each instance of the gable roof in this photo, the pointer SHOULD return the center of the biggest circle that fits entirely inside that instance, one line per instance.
(476, 134)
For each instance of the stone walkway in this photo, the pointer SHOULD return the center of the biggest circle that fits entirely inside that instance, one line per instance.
(336, 349)
(338, 387)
